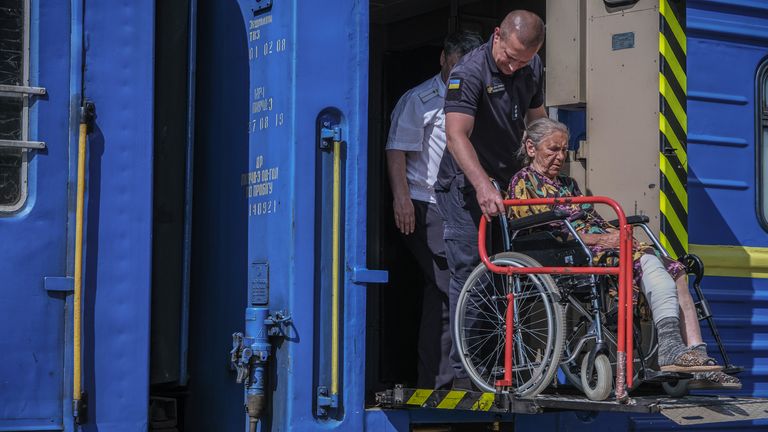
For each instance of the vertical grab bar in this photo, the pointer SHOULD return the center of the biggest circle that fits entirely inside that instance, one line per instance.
(87, 115)
(335, 257)
(331, 143)
(76, 339)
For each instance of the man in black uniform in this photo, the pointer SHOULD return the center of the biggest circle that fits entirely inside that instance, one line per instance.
(492, 92)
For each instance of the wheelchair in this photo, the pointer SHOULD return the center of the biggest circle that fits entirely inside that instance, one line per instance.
(560, 321)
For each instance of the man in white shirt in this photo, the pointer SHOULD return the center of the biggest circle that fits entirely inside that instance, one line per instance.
(414, 149)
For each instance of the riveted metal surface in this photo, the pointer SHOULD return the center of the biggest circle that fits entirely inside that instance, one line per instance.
(722, 113)
(301, 65)
(32, 375)
(119, 80)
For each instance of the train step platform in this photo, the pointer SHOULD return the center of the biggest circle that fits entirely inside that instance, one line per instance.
(688, 410)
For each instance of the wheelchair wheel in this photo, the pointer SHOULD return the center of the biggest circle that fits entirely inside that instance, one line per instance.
(479, 327)
(677, 388)
(578, 321)
(599, 385)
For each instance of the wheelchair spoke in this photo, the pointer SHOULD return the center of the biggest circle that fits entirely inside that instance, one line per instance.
(490, 318)
(481, 328)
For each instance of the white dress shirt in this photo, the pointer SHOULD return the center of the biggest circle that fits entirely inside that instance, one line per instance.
(418, 128)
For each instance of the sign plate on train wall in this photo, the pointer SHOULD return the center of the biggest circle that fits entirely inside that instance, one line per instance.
(258, 292)
(622, 41)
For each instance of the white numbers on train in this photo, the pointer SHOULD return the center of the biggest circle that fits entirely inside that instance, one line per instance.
(264, 122)
(263, 208)
(276, 46)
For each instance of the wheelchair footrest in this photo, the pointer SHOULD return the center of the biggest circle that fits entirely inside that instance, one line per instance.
(658, 376)
(732, 370)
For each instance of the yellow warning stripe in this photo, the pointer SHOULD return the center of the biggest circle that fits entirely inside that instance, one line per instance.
(667, 130)
(674, 104)
(673, 62)
(665, 242)
(673, 88)
(677, 186)
(733, 261)
(485, 402)
(674, 24)
(451, 399)
(419, 397)
(672, 218)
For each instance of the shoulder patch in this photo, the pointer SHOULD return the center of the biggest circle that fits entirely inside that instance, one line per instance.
(454, 89)
(428, 95)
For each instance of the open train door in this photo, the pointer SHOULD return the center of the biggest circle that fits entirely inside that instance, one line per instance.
(621, 65)
(305, 188)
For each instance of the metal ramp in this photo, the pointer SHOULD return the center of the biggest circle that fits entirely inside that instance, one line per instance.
(689, 410)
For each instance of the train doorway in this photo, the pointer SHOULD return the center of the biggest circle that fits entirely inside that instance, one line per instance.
(405, 43)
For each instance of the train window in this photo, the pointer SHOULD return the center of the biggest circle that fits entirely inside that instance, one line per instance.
(762, 144)
(14, 108)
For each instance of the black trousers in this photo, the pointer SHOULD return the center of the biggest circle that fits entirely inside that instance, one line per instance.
(427, 246)
(461, 215)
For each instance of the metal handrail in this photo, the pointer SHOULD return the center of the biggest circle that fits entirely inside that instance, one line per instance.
(13, 90)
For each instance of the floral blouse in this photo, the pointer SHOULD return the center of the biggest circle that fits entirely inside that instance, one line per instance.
(528, 183)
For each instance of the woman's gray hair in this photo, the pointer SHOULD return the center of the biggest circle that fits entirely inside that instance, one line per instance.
(538, 131)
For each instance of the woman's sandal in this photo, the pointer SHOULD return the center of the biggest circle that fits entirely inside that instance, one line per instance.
(692, 361)
(714, 381)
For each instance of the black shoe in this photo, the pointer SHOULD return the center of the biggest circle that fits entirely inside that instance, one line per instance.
(464, 384)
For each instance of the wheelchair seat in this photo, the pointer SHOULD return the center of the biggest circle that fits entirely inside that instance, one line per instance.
(550, 250)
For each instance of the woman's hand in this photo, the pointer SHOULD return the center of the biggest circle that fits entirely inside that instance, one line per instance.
(609, 240)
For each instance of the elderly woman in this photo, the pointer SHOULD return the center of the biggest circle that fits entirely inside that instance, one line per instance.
(661, 279)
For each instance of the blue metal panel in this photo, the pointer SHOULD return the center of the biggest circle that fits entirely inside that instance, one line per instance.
(34, 244)
(722, 175)
(119, 80)
(721, 153)
(721, 113)
(307, 57)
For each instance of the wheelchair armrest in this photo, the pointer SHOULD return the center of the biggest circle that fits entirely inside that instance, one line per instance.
(632, 220)
(537, 219)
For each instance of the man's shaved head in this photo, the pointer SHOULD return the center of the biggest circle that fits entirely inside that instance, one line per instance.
(527, 26)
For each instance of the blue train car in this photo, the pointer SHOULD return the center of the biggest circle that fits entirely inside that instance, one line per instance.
(227, 242)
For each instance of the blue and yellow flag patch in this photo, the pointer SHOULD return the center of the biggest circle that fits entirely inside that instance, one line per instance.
(454, 84)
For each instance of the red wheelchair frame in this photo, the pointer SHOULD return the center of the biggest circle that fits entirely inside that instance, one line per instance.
(624, 360)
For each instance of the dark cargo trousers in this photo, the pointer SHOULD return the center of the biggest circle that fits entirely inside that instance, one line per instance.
(461, 215)
(427, 246)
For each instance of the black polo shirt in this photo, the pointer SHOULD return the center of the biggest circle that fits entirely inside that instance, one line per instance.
(499, 103)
